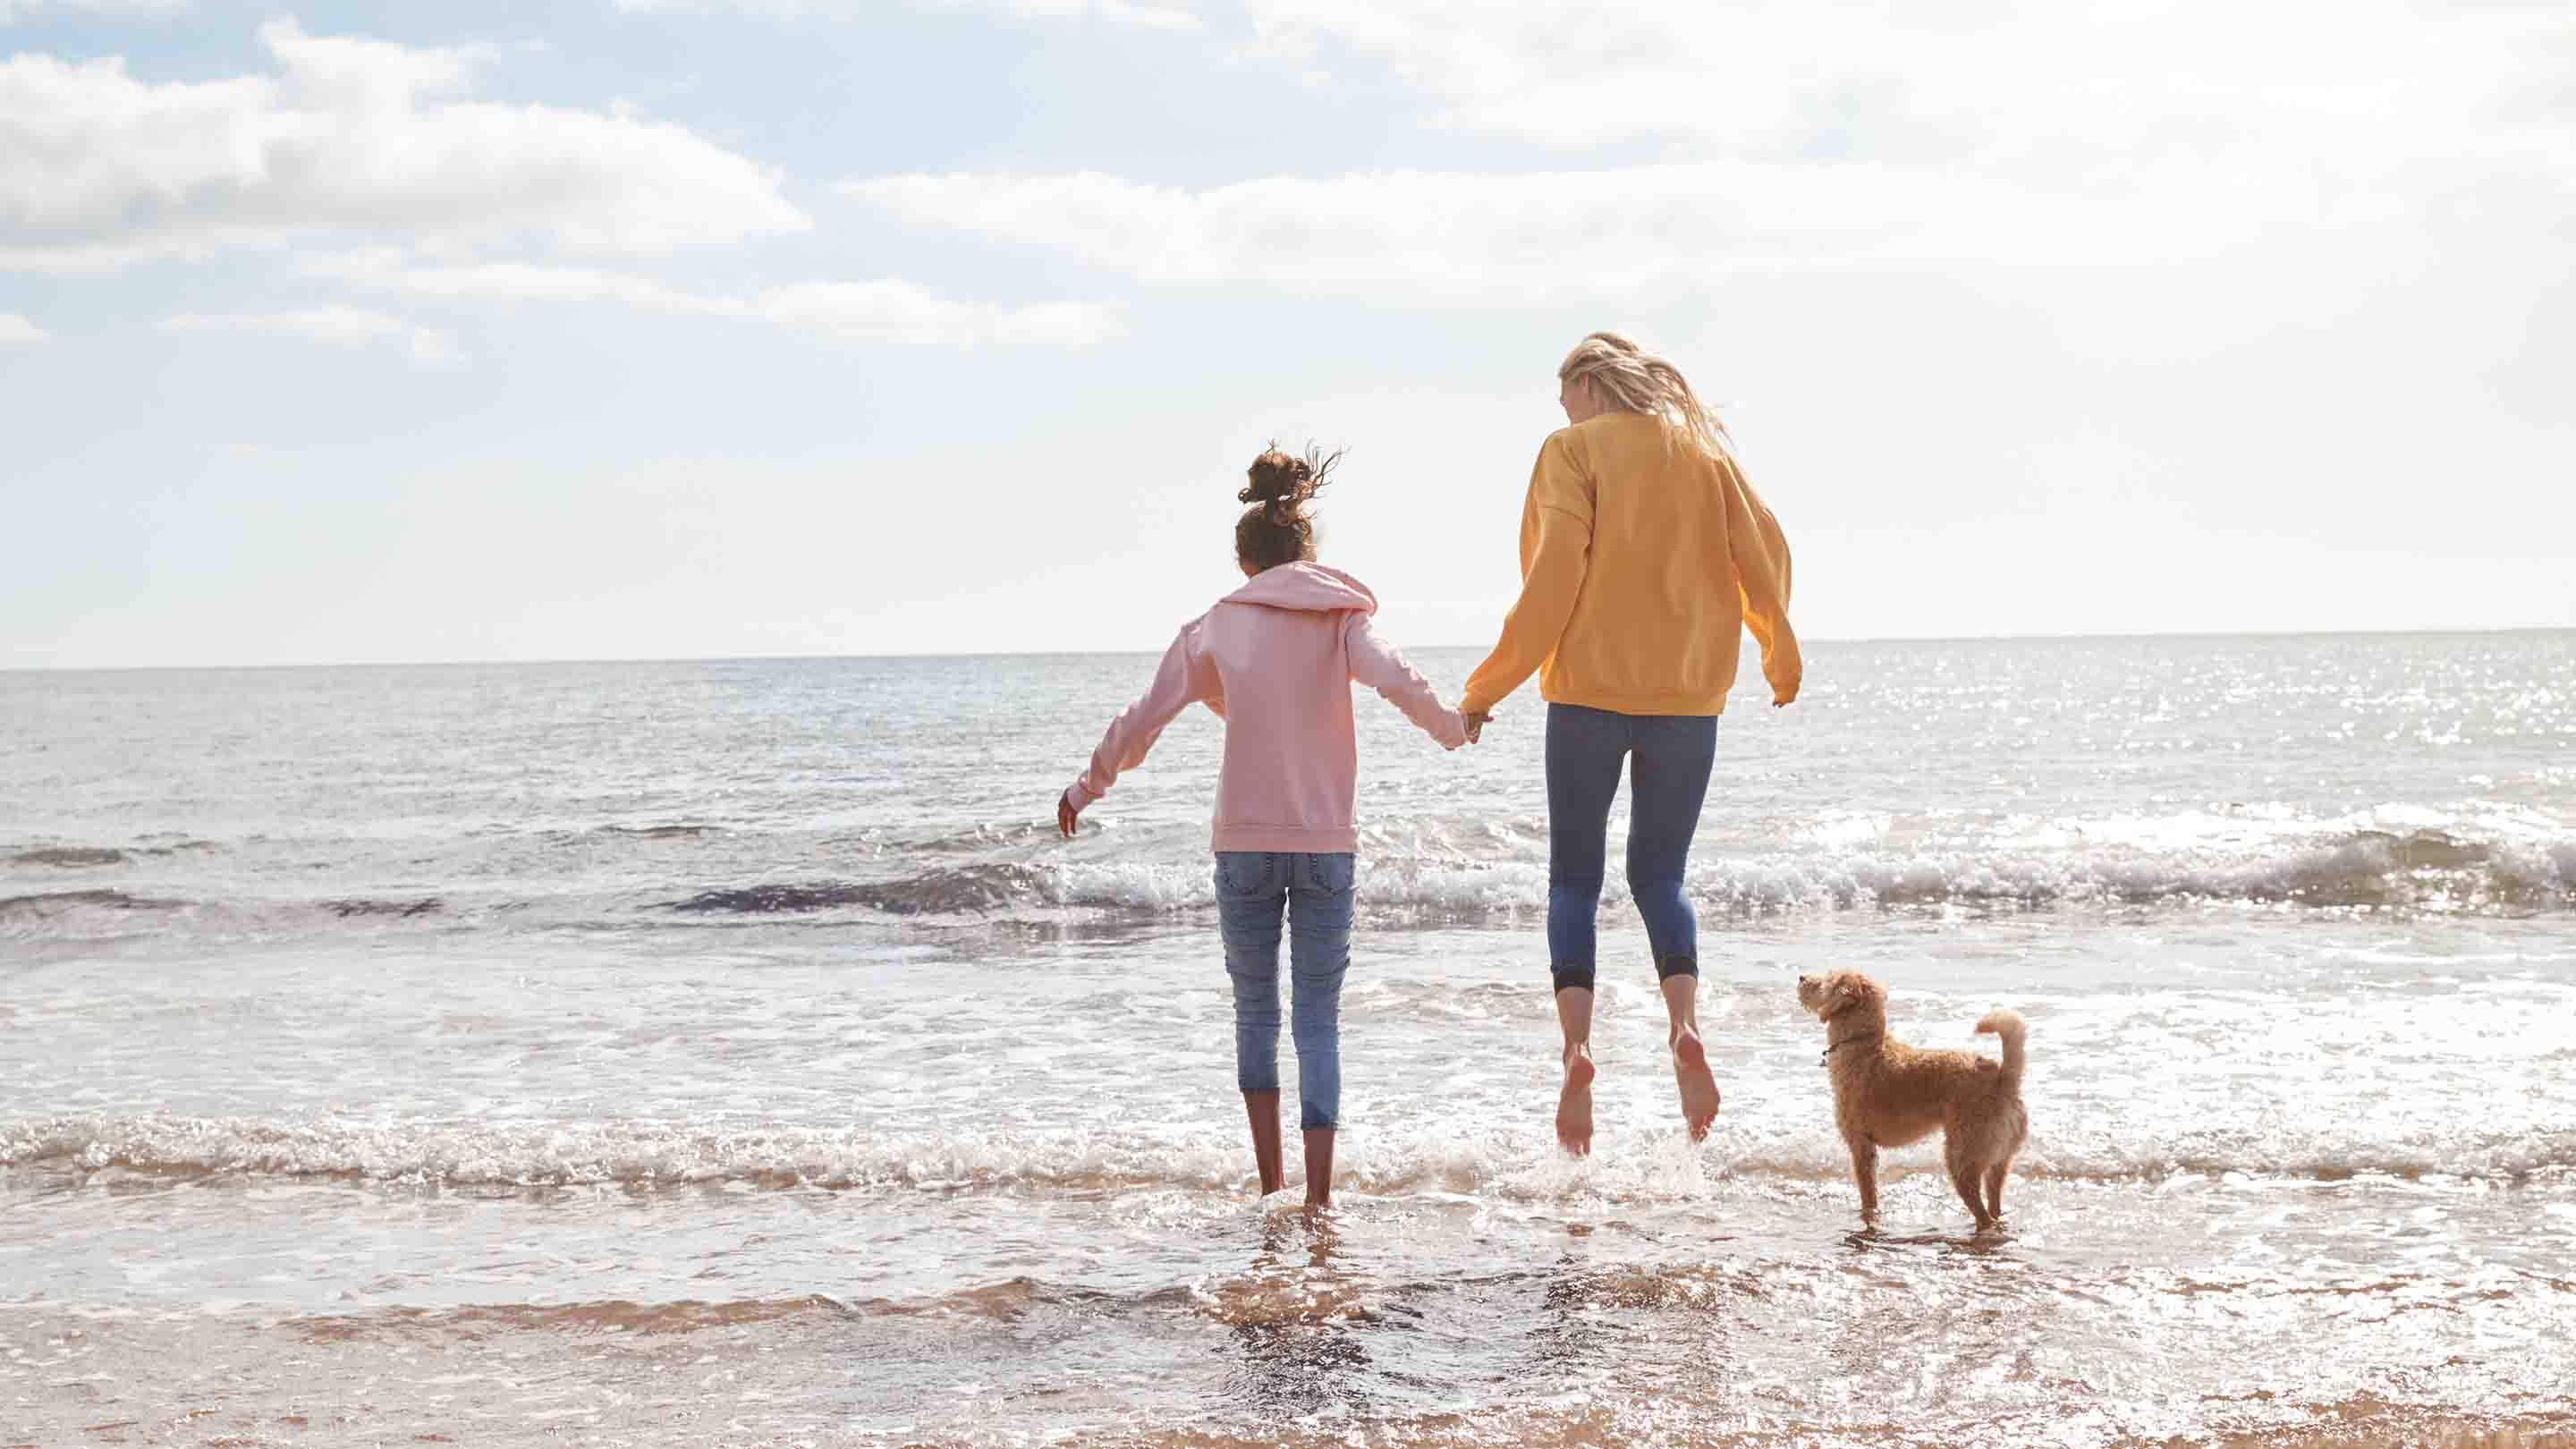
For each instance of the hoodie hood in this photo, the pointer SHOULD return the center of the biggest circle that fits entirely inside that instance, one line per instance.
(1308, 586)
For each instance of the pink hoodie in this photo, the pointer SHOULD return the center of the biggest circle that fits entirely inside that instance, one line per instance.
(1275, 660)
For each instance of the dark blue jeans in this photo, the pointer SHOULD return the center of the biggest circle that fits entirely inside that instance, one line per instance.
(1668, 781)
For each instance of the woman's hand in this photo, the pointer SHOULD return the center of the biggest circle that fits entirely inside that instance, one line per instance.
(1066, 814)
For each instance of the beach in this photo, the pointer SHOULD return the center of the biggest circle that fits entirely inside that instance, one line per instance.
(731, 1053)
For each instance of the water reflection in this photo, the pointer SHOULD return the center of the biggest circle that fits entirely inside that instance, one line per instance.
(1295, 1314)
(1568, 1341)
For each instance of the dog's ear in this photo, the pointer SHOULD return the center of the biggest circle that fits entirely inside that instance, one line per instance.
(1848, 989)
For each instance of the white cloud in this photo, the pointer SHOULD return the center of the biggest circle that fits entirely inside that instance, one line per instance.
(391, 269)
(14, 328)
(892, 311)
(1797, 134)
(1617, 231)
(92, 258)
(1999, 83)
(1154, 17)
(884, 310)
(1119, 12)
(11, 11)
(344, 325)
(348, 135)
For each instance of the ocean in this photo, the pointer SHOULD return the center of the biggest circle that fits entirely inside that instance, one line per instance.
(730, 1053)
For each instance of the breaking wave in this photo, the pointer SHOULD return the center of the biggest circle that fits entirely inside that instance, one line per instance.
(114, 908)
(1649, 1165)
(2426, 870)
(430, 906)
(69, 856)
(683, 830)
(940, 892)
(81, 857)
(478, 1320)
(46, 904)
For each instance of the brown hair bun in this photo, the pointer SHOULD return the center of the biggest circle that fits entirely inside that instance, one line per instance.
(1275, 529)
(1282, 477)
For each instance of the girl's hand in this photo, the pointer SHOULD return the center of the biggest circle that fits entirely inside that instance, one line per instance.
(1476, 721)
(1066, 814)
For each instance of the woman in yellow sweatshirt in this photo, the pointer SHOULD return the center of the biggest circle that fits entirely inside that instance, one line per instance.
(1644, 557)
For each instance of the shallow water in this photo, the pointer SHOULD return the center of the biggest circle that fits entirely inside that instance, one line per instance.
(725, 1053)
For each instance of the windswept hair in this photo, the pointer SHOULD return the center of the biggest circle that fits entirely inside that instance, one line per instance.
(1276, 529)
(1638, 381)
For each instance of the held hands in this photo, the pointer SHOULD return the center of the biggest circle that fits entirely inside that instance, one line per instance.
(1477, 719)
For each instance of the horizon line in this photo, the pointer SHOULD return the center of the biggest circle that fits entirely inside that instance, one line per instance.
(2079, 637)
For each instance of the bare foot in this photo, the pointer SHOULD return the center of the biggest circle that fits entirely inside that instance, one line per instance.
(1699, 1089)
(1574, 1102)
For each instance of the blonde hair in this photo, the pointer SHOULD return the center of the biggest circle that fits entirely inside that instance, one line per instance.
(1635, 380)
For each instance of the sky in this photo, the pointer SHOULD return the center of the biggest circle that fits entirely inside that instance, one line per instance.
(688, 328)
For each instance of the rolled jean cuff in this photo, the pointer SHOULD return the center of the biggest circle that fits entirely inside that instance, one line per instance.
(1314, 1118)
(1668, 967)
(1570, 975)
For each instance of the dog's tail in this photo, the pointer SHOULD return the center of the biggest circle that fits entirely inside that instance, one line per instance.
(2007, 1024)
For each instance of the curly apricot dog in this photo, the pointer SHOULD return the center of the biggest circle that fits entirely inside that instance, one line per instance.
(1887, 1094)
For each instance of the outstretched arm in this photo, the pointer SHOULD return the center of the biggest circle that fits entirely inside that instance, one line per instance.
(1760, 554)
(1375, 663)
(1556, 554)
(1185, 675)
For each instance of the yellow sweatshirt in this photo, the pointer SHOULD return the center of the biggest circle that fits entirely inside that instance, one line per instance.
(1639, 554)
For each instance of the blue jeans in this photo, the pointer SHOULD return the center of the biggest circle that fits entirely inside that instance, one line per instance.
(1252, 887)
(1668, 782)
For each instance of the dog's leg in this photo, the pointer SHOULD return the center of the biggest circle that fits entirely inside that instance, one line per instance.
(1965, 1180)
(1995, 1176)
(1864, 1155)
(1963, 1176)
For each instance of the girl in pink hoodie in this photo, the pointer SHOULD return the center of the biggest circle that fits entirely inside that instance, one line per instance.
(1275, 660)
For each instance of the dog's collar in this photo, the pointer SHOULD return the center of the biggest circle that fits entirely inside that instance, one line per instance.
(1827, 1059)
